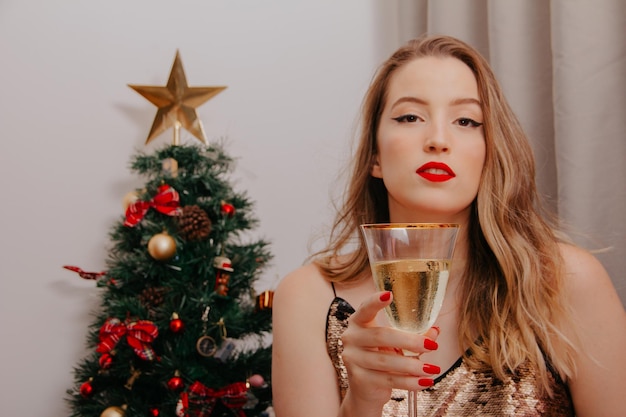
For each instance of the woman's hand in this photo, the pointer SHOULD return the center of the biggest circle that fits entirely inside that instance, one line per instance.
(374, 359)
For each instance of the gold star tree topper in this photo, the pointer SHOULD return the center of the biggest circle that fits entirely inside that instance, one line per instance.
(177, 103)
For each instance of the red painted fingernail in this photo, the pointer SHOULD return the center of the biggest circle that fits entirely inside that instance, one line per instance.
(430, 344)
(426, 382)
(431, 369)
(385, 296)
(438, 329)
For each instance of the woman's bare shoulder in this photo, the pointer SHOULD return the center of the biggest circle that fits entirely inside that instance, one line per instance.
(303, 280)
(587, 281)
(582, 268)
(300, 361)
(304, 290)
(600, 318)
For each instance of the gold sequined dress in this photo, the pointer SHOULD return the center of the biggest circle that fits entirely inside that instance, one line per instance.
(461, 391)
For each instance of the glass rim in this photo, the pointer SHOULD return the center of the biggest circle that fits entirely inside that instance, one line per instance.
(415, 225)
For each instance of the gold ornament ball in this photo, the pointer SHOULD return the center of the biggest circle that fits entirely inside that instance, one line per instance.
(113, 412)
(131, 197)
(161, 246)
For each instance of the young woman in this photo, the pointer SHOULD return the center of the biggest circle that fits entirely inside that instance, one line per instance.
(531, 325)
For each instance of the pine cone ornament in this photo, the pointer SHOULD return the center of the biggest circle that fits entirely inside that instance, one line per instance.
(194, 223)
(152, 297)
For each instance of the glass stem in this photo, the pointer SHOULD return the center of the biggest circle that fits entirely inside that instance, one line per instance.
(412, 404)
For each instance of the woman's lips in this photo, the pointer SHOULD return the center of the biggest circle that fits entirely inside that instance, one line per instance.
(435, 172)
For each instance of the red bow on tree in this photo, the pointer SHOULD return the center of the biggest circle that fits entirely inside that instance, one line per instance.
(85, 274)
(139, 334)
(166, 201)
(200, 400)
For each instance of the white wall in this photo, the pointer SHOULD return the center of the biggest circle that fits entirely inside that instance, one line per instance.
(295, 71)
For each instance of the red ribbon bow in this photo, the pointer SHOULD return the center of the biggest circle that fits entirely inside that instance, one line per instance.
(166, 201)
(139, 334)
(200, 400)
(85, 274)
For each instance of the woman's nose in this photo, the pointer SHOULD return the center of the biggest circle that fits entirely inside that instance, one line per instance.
(436, 139)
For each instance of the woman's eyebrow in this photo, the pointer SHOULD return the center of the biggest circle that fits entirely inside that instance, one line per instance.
(410, 99)
(455, 102)
(468, 100)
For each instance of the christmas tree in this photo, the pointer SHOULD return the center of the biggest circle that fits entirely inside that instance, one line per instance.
(181, 330)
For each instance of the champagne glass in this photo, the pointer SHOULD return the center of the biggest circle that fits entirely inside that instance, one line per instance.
(412, 260)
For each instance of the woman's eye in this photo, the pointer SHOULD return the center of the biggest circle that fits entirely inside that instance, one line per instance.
(466, 121)
(406, 118)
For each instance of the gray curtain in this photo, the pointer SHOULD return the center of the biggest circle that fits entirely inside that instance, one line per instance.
(562, 65)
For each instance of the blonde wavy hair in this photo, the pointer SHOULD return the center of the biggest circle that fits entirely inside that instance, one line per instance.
(511, 309)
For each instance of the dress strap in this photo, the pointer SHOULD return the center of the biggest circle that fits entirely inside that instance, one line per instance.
(332, 284)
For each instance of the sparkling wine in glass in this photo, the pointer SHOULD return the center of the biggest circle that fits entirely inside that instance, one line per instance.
(412, 260)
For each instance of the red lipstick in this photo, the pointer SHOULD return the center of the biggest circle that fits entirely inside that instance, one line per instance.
(435, 172)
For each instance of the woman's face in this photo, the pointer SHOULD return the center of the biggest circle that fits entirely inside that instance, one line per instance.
(430, 140)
